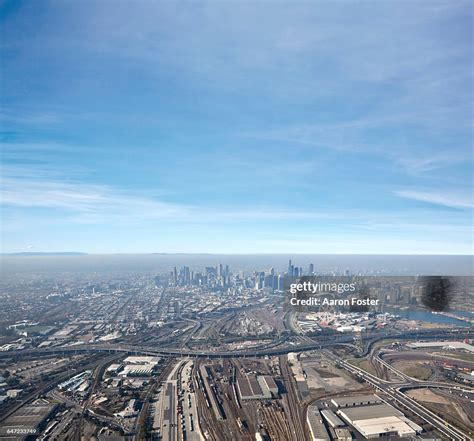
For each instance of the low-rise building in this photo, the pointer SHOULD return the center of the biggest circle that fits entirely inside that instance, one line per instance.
(271, 384)
(13, 393)
(356, 400)
(378, 420)
(254, 388)
(382, 427)
(332, 419)
(317, 429)
(343, 434)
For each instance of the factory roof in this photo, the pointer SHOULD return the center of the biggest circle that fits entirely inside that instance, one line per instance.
(251, 387)
(142, 359)
(367, 412)
(256, 389)
(355, 400)
(386, 425)
(28, 417)
(270, 382)
(332, 418)
(316, 425)
(144, 369)
(114, 367)
(244, 388)
(442, 344)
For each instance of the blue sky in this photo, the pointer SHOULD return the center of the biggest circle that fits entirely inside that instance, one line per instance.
(237, 127)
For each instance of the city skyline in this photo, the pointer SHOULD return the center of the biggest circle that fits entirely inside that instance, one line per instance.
(237, 128)
(227, 354)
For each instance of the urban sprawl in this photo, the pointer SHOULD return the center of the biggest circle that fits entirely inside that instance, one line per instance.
(219, 353)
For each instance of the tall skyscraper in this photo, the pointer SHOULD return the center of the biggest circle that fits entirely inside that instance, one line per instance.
(175, 276)
(281, 282)
(187, 276)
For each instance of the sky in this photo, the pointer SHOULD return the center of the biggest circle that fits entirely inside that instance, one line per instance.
(236, 127)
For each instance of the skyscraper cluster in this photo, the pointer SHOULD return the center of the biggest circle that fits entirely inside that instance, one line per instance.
(294, 271)
(214, 276)
(219, 276)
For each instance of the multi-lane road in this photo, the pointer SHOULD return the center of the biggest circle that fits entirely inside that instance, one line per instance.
(269, 349)
(394, 392)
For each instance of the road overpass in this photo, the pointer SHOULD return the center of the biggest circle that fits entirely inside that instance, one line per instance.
(395, 392)
(257, 352)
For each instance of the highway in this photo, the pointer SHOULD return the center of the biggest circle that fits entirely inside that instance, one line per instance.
(400, 374)
(411, 382)
(395, 392)
(326, 341)
(422, 355)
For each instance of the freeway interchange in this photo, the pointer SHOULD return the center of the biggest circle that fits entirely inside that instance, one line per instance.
(393, 391)
(270, 349)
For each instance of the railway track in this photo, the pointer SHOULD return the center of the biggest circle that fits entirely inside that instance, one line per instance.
(296, 413)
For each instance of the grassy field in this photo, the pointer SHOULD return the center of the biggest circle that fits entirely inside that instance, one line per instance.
(413, 369)
(362, 363)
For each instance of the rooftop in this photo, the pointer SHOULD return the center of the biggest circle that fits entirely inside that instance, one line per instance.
(391, 424)
(367, 412)
(356, 399)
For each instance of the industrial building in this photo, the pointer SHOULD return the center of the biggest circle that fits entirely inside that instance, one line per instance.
(343, 434)
(381, 427)
(114, 368)
(30, 418)
(377, 420)
(141, 366)
(142, 359)
(446, 345)
(137, 370)
(351, 414)
(256, 388)
(357, 400)
(270, 384)
(74, 383)
(332, 419)
(316, 426)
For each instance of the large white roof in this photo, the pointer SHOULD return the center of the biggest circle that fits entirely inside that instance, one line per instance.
(391, 424)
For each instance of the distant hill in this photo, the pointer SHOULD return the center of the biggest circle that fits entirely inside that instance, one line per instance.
(65, 253)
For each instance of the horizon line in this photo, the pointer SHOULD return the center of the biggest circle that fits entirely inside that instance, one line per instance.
(80, 253)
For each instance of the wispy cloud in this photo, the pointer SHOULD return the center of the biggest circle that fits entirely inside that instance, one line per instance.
(99, 204)
(430, 162)
(218, 113)
(450, 200)
(91, 203)
(88, 203)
